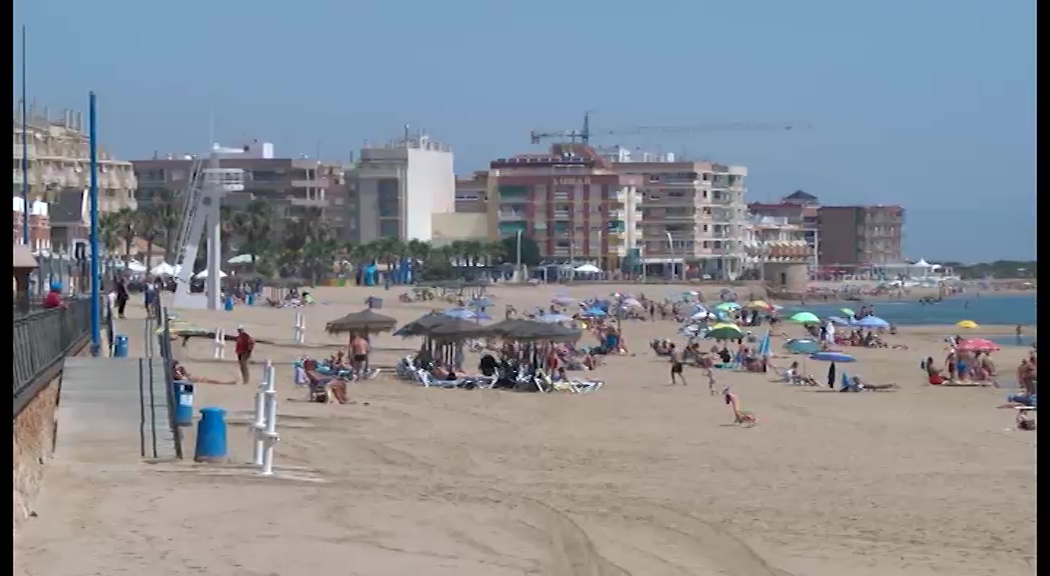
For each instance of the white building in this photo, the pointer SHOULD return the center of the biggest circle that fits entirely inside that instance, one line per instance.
(774, 239)
(395, 189)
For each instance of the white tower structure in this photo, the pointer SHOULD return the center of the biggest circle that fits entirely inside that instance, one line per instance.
(203, 201)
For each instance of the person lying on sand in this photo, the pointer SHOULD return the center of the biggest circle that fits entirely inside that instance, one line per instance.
(856, 385)
(1025, 420)
(179, 372)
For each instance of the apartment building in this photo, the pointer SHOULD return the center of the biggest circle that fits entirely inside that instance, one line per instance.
(39, 224)
(571, 201)
(693, 214)
(856, 236)
(397, 187)
(472, 193)
(292, 186)
(799, 209)
(774, 239)
(59, 161)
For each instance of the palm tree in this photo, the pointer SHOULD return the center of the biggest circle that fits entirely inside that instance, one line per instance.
(167, 216)
(253, 225)
(149, 226)
(127, 221)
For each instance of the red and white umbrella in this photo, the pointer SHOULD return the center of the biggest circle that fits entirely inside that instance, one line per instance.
(978, 345)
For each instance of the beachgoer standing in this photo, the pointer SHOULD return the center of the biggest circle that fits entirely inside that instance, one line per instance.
(359, 353)
(122, 297)
(244, 346)
(677, 366)
(831, 376)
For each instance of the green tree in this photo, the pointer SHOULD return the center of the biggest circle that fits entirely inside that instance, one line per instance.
(530, 250)
(253, 226)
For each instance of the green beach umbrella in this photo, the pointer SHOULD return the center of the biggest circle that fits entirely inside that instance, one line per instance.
(848, 312)
(725, 332)
(727, 306)
(805, 318)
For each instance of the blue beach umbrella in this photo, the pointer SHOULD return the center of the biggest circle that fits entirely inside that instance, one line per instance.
(870, 322)
(553, 318)
(832, 357)
(480, 302)
(802, 346)
(595, 312)
(763, 346)
(839, 321)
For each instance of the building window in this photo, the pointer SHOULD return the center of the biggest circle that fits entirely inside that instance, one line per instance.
(389, 228)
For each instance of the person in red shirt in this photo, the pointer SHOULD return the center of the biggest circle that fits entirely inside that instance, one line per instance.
(53, 299)
(245, 345)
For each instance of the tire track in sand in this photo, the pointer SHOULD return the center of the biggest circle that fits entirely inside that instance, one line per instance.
(573, 553)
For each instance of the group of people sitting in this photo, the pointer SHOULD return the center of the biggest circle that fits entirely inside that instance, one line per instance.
(746, 357)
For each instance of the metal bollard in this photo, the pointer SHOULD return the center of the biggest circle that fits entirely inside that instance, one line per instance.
(300, 328)
(219, 346)
(259, 426)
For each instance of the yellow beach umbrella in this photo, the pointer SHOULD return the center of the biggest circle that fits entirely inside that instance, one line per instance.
(758, 304)
(968, 324)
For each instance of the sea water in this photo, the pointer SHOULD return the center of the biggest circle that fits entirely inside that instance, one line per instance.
(985, 309)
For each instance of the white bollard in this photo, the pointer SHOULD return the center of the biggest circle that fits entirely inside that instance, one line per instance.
(258, 428)
(269, 435)
(300, 328)
(219, 346)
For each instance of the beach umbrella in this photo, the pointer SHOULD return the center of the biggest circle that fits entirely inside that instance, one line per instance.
(978, 345)
(966, 324)
(241, 259)
(553, 318)
(137, 267)
(588, 269)
(457, 329)
(594, 311)
(848, 312)
(480, 302)
(871, 322)
(838, 321)
(702, 315)
(422, 325)
(725, 332)
(727, 306)
(563, 300)
(805, 318)
(802, 346)
(763, 346)
(832, 357)
(364, 321)
(758, 305)
(631, 303)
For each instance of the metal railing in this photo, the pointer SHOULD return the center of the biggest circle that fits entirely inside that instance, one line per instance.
(159, 315)
(43, 340)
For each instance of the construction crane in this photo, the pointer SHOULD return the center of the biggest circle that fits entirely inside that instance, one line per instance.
(585, 134)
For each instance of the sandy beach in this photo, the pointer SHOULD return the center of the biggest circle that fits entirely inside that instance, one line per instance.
(639, 478)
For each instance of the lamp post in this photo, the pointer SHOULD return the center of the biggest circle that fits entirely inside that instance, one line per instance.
(517, 267)
(96, 337)
(670, 250)
(25, 148)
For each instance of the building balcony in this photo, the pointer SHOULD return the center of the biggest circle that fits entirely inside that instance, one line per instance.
(307, 202)
(506, 215)
(316, 183)
(562, 214)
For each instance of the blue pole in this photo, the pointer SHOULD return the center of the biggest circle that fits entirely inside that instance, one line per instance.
(96, 334)
(25, 147)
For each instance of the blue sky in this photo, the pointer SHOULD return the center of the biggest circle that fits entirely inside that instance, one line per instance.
(930, 104)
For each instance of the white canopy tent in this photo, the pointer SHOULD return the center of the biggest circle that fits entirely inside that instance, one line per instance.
(163, 269)
(588, 269)
(204, 274)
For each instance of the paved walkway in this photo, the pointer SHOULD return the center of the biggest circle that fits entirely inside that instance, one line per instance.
(119, 405)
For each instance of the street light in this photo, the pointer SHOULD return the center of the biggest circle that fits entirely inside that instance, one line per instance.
(517, 268)
(670, 250)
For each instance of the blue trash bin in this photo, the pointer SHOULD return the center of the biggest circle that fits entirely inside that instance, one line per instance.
(120, 346)
(211, 436)
(249, 299)
(228, 304)
(183, 402)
